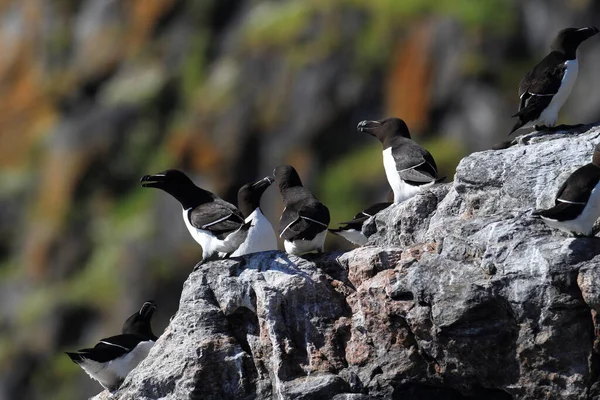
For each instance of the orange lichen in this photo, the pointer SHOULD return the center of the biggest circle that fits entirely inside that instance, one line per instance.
(409, 78)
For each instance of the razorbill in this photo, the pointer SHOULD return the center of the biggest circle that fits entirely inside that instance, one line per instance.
(261, 236)
(409, 167)
(352, 230)
(577, 204)
(114, 357)
(304, 220)
(545, 88)
(218, 226)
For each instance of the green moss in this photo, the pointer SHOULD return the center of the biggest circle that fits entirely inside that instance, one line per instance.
(277, 24)
(193, 68)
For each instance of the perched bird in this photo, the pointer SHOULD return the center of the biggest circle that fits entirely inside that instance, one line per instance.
(261, 236)
(218, 226)
(577, 204)
(113, 358)
(352, 230)
(545, 89)
(409, 167)
(304, 220)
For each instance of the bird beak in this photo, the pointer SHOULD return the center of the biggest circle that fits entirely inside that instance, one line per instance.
(264, 182)
(152, 180)
(148, 309)
(368, 126)
(588, 32)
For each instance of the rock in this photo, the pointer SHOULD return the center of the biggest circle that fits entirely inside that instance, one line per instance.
(461, 294)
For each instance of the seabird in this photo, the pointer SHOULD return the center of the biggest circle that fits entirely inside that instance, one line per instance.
(304, 220)
(409, 167)
(114, 357)
(352, 230)
(545, 89)
(261, 236)
(577, 204)
(218, 226)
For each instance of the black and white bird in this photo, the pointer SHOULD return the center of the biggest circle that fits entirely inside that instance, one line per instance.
(545, 89)
(409, 167)
(218, 226)
(352, 230)
(114, 357)
(304, 220)
(261, 235)
(577, 204)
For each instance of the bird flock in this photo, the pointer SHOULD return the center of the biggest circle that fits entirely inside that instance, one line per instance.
(224, 230)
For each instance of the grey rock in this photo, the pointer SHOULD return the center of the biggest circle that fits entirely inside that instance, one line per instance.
(459, 293)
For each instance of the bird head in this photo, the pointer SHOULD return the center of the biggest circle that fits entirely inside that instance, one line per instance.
(139, 323)
(568, 40)
(286, 177)
(178, 185)
(385, 129)
(249, 195)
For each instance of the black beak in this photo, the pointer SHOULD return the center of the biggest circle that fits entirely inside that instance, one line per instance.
(368, 126)
(148, 309)
(263, 183)
(587, 32)
(152, 180)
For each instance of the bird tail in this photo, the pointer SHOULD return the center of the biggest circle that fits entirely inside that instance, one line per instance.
(516, 126)
(235, 239)
(335, 231)
(75, 357)
(440, 179)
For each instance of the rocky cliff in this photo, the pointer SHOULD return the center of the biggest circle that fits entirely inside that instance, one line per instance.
(460, 294)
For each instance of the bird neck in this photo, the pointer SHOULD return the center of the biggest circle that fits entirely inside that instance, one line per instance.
(193, 196)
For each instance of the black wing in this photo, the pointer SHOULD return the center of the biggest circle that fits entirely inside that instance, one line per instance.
(109, 348)
(218, 217)
(538, 86)
(415, 165)
(573, 194)
(311, 219)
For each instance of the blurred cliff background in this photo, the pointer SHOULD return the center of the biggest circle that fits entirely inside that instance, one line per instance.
(94, 94)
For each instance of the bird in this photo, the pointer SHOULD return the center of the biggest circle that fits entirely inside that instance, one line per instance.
(352, 230)
(261, 236)
(114, 357)
(218, 226)
(304, 220)
(546, 87)
(577, 203)
(409, 167)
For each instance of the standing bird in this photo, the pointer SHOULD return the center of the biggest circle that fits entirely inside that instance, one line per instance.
(304, 220)
(409, 167)
(577, 204)
(352, 230)
(113, 358)
(218, 226)
(261, 236)
(545, 89)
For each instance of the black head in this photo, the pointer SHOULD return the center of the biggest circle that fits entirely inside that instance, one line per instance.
(596, 156)
(568, 40)
(385, 129)
(178, 185)
(286, 177)
(139, 323)
(249, 195)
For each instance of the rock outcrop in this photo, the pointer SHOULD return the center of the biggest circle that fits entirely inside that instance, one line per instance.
(459, 294)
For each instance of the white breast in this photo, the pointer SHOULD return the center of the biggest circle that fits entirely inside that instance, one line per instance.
(111, 373)
(584, 223)
(550, 115)
(402, 190)
(353, 236)
(261, 236)
(207, 240)
(298, 247)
